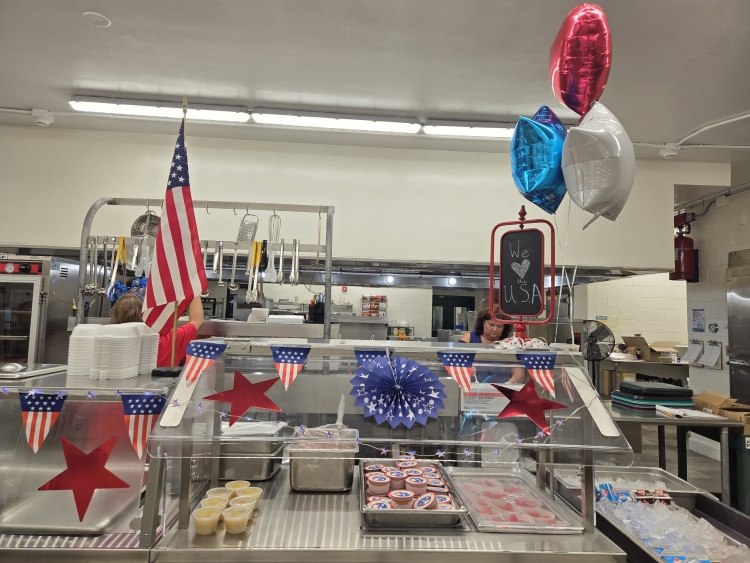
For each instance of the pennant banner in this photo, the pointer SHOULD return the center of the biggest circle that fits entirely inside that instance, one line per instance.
(541, 367)
(141, 414)
(289, 361)
(39, 412)
(367, 355)
(200, 355)
(459, 365)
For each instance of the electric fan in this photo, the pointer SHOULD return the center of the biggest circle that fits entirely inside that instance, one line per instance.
(597, 343)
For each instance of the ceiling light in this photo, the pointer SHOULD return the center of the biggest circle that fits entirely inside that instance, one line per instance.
(478, 129)
(389, 279)
(335, 121)
(165, 110)
(452, 281)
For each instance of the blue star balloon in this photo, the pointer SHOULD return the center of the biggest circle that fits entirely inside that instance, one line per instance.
(400, 391)
(535, 154)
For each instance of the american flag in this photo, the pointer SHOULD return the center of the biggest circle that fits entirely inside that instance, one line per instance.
(200, 355)
(141, 413)
(289, 361)
(39, 412)
(177, 273)
(366, 355)
(565, 378)
(542, 369)
(459, 365)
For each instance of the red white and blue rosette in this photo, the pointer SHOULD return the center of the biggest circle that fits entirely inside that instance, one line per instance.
(398, 391)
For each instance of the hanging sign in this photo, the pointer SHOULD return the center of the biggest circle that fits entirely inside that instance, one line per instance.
(520, 262)
(522, 273)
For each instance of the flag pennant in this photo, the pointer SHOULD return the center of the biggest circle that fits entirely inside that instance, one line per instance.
(541, 367)
(289, 361)
(39, 412)
(567, 385)
(141, 414)
(459, 365)
(367, 355)
(177, 272)
(200, 355)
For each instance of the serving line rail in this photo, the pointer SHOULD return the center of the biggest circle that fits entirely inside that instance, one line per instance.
(234, 206)
(631, 422)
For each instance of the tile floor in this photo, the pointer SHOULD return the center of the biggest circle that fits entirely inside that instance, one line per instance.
(703, 471)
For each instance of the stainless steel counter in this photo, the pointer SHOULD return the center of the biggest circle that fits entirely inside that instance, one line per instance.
(239, 329)
(315, 527)
(630, 422)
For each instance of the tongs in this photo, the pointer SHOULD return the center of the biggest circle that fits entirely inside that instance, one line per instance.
(280, 276)
(233, 286)
(252, 292)
(294, 274)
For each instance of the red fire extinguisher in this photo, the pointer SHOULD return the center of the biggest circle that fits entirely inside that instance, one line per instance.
(684, 250)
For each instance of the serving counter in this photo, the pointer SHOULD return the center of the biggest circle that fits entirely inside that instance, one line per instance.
(223, 424)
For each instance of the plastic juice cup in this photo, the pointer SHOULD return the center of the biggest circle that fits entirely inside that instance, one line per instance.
(215, 502)
(250, 492)
(219, 492)
(247, 500)
(206, 519)
(235, 518)
(236, 486)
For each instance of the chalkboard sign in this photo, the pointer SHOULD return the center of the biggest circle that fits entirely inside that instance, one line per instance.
(522, 273)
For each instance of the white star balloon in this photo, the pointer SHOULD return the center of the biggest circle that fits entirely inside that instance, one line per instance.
(598, 163)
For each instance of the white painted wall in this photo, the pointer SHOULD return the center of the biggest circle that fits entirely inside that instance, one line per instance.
(650, 305)
(390, 203)
(715, 235)
(413, 305)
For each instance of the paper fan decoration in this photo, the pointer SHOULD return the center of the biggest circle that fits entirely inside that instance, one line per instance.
(399, 391)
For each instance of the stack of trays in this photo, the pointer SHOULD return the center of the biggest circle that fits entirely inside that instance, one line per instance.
(81, 349)
(646, 395)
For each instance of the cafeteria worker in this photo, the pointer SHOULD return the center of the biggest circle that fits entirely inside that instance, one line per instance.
(488, 331)
(127, 309)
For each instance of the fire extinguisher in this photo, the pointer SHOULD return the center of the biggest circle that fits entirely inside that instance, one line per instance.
(684, 250)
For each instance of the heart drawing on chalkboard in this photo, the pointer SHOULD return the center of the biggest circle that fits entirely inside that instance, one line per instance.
(521, 268)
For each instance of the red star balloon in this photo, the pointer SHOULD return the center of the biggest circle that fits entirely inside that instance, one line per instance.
(527, 403)
(85, 474)
(244, 396)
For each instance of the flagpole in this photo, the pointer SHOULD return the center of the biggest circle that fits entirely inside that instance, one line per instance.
(174, 324)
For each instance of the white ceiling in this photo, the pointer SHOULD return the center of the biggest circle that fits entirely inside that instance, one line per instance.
(677, 64)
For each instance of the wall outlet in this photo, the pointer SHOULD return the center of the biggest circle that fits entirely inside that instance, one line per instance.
(721, 201)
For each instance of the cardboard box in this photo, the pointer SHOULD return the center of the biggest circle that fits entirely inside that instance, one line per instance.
(610, 383)
(712, 402)
(738, 411)
(659, 351)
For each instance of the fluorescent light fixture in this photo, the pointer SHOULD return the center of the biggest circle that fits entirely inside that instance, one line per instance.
(163, 110)
(477, 129)
(344, 122)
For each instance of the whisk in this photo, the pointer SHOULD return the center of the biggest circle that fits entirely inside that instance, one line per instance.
(274, 236)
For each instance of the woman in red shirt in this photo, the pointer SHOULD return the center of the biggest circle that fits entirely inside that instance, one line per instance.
(127, 309)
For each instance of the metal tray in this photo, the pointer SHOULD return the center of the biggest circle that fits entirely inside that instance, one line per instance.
(681, 491)
(568, 522)
(250, 467)
(322, 470)
(733, 524)
(410, 518)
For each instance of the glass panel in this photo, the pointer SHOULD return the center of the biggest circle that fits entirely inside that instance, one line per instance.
(465, 432)
(16, 307)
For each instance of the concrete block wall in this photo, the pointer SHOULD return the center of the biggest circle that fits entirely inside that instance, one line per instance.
(650, 305)
(721, 231)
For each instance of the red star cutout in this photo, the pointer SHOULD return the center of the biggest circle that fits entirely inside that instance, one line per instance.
(85, 474)
(526, 402)
(244, 396)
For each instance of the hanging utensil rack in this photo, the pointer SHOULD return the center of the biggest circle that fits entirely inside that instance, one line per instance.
(198, 205)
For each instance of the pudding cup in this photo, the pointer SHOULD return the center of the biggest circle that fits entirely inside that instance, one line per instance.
(206, 519)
